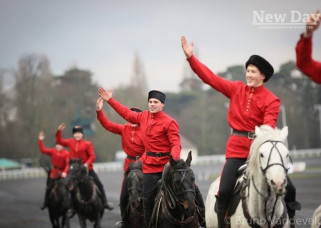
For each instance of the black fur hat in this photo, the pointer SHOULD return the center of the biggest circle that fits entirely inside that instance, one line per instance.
(157, 94)
(77, 129)
(264, 66)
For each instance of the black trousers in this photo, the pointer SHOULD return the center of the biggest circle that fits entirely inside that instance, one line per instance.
(50, 184)
(149, 194)
(229, 178)
(100, 186)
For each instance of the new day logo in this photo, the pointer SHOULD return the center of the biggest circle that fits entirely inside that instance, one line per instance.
(292, 19)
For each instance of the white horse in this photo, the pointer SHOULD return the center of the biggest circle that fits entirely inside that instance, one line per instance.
(262, 196)
(316, 218)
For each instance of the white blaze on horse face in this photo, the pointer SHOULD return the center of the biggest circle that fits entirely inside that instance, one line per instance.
(274, 161)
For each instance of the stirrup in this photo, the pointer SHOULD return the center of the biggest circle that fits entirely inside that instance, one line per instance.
(109, 206)
(70, 213)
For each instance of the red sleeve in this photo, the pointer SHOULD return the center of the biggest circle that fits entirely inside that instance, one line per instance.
(61, 140)
(90, 153)
(125, 112)
(108, 125)
(304, 60)
(67, 162)
(222, 85)
(174, 139)
(272, 111)
(48, 151)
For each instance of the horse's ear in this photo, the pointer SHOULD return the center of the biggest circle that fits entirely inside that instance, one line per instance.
(189, 158)
(172, 161)
(258, 131)
(284, 133)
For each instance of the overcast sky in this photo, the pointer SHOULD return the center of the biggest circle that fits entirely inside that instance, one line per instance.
(103, 36)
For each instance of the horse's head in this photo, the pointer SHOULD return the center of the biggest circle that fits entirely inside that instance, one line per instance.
(180, 179)
(76, 173)
(269, 157)
(135, 185)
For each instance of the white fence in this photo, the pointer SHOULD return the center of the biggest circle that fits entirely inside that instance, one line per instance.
(118, 166)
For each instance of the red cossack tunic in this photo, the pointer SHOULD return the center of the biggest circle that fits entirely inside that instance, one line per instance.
(160, 135)
(81, 149)
(304, 60)
(131, 137)
(249, 107)
(59, 160)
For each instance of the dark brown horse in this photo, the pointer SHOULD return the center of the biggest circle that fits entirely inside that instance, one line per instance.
(86, 197)
(135, 212)
(59, 201)
(175, 203)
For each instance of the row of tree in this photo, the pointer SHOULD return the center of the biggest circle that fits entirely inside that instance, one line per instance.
(40, 100)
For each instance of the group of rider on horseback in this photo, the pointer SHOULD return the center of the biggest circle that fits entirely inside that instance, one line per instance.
(152, 137)
(79, 149)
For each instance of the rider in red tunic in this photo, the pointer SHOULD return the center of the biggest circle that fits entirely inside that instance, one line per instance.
(83, 150)
(132, 143)
(304, 60)
(161, 139)
(251, 105)
(60, 164)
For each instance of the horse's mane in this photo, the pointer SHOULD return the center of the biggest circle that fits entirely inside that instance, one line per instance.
(267, 133)
(134, 166)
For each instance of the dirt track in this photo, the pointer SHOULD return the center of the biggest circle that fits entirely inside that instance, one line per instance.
(21, 199)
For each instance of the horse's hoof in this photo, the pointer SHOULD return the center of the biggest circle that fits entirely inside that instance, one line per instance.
(109, 206)
(119, 224)
(70, 213)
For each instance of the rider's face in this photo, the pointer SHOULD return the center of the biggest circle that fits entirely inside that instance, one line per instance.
(155, 105)
(78, 136)
(59, 147)
(254, 78)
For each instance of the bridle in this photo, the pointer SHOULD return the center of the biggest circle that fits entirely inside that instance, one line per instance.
(274, 146)
(250, 220)
(172, 198)
(135, 210)
(137, 188)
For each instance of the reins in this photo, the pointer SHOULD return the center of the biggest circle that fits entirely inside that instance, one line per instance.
(252, 222)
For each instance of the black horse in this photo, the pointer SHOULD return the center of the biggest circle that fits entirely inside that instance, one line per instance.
(86, 197)
(175, 204)
(59, 201)
(134, 215)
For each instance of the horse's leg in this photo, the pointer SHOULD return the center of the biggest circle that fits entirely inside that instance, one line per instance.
(82, 221)
(65, 222)
(210, 214)
(97, 223)
(52, 219)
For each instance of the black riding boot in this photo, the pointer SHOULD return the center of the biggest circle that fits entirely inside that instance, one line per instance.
(107, 204)
(220, 208)
(123, 215)
(45, 203)
(292, 207)
(290, 199)
(201, 207)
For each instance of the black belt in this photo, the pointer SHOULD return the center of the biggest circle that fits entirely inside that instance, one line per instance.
(158, 154)
(57, 168)
(133, 157)
(247, 134)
